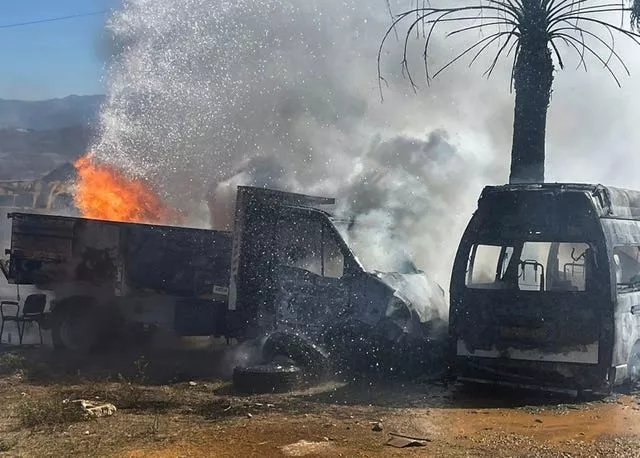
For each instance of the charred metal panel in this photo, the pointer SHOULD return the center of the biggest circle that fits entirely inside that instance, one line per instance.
(252, 282)
(423, 296)
(172, 260)
(52, 249)
(40, 238)
(621, 232)
(549, 323)
(608, 201)
(529, 374)
(624, 203)
(177, 261)
(275, 198)
(520, 215)
(236, 248)
(583, 354)
(38, 245)
(96, 251)
(370, 299)
(627, 324)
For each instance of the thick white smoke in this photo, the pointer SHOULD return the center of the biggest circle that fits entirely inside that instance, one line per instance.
(197, 88)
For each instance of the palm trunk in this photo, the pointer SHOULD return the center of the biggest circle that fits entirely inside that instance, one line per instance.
(532, 78)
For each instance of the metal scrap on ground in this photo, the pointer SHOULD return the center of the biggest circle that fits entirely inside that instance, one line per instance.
(401, 441)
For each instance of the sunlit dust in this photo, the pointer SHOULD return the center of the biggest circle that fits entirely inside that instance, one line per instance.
(104, 192)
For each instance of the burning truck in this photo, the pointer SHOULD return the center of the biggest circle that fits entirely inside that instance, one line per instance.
(284, 271)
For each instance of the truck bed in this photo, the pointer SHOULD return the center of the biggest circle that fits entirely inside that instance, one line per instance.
(129, 257)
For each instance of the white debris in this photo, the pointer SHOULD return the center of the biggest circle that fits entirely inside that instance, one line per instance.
(95, 410)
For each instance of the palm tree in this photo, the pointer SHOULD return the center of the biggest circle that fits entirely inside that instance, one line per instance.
(531, 30)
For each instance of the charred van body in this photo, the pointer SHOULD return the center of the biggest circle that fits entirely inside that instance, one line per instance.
(545, 288)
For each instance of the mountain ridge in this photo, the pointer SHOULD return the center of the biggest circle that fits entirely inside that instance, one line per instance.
(50, 114)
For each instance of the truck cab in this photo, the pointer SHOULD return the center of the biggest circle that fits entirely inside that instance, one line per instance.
(293, 268)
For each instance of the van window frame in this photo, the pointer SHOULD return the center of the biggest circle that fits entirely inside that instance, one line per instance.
(517, 250)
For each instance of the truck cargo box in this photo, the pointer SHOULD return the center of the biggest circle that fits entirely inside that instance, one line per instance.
(128, 257)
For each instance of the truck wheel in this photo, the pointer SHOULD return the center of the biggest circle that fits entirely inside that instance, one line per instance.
(266, 378)
(75, 329)
(295, 347)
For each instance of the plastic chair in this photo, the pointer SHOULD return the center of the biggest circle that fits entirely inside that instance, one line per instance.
(32, 312)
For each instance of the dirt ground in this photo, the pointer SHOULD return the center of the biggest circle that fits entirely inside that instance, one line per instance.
(178, 404)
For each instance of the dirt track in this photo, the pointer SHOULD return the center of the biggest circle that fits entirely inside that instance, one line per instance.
(204, 418)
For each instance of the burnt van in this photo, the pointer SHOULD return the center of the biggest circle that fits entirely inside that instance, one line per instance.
(545, 288)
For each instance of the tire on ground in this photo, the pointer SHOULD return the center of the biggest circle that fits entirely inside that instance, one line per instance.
(266, 378)
(305, 354)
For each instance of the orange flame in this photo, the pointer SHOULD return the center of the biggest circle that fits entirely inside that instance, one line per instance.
(104, 192)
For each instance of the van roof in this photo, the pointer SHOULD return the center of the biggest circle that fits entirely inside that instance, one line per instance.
(609, 201)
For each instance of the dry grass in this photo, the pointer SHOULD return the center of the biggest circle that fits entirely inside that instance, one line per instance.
(11, 362)
(34, 369)
(48, 412)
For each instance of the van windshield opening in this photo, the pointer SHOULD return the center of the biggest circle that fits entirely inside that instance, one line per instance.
(530, 266)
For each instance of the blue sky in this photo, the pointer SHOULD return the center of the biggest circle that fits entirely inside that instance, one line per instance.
(53, 59)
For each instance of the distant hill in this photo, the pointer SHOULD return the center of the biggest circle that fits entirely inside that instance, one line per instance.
(36, 137)
(50, 114)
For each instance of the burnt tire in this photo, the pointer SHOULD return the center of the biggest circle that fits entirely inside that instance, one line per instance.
(266, 378)
(295, 347)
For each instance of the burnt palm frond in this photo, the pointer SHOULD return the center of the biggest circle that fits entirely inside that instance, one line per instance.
(592, 52)
(486, 41)
(578, 25)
